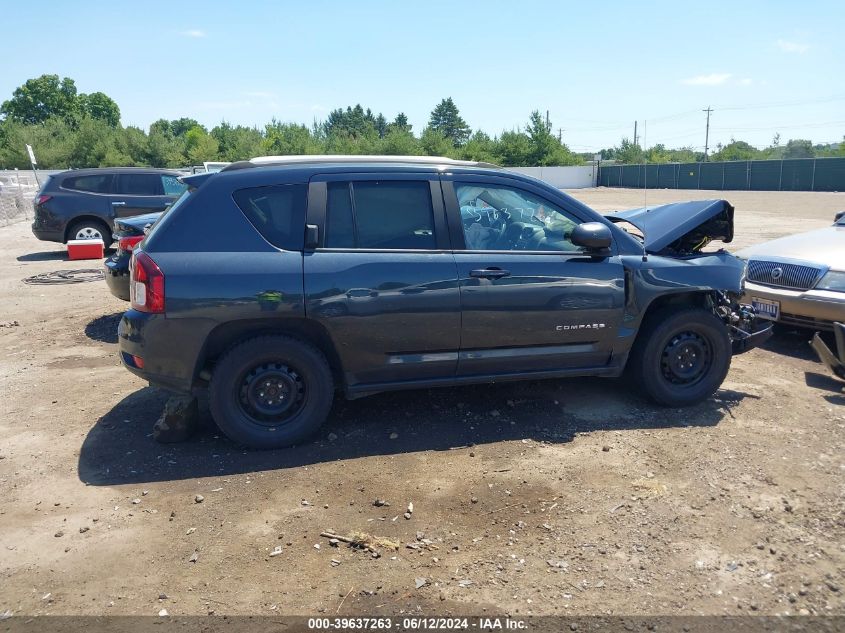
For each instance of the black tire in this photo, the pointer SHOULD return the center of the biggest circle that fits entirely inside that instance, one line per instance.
(90, 228)
(681, 356)
(271, 391)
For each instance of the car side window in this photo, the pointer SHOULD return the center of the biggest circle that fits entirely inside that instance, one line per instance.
(277, 212)
(503, 218)
(172, 186)
(96, 183)
(380, 214)
(139, 185)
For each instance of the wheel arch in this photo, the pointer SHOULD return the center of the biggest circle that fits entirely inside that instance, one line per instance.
(226, 335)
(685, 298)
(85, 217)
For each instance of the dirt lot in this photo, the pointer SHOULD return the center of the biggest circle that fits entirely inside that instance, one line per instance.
(567, 497)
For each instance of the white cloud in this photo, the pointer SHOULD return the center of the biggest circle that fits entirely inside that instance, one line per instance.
(259, 94)
(713, 79)
(193, 33)
(319, 108)
(746, 81)
(793, 47)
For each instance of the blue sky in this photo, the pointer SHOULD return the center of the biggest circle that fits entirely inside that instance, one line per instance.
(764, 67)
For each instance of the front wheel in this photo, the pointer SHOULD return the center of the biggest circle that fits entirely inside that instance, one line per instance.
(681, 356)
(271, 391)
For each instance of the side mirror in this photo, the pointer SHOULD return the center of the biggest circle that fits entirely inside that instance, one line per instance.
(594, 236)
(838, 216)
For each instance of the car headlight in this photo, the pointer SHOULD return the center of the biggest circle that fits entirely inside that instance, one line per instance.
(832, 281)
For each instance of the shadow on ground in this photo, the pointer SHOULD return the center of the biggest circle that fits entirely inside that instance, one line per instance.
(119, 449)
(44, 256)
(795, 342)
(104, 328)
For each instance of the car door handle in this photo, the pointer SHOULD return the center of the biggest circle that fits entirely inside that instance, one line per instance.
(489, 273)
(118, 204)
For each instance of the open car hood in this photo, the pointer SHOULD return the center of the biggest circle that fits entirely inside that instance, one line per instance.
(680, 227)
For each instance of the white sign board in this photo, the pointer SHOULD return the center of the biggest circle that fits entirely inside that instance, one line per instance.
(31, 155)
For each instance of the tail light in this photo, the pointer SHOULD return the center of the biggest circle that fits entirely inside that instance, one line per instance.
(146, 284)
(129, 243)
(42, 198)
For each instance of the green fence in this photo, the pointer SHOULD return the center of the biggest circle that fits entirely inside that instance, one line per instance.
(798, 174)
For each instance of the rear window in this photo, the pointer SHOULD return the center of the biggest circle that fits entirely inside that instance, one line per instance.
(96, 183)
(172, 186)
(139, 185)
(277, 212)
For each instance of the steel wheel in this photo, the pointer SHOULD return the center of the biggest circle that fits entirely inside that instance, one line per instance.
(272, 393)
(686, 358)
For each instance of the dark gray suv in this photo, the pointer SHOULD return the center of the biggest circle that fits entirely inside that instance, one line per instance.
(83, 203)
(279, 280)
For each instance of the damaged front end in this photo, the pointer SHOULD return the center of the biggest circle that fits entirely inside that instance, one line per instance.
(746, 330)
(679, 232)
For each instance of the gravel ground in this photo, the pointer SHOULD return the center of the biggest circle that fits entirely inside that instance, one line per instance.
(556, 497)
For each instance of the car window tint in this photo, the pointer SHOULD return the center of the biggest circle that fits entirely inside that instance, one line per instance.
(501, 218)
(277, 212)
(172, 186)
(96, 183)
(139, 184)
(386, 214)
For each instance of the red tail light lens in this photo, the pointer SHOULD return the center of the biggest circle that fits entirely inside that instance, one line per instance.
(129, 243)
(42, 199)
(146, 284)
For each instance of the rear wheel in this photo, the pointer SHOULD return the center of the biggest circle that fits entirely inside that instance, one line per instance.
(90, 230)
(681, 356)
(271, 391)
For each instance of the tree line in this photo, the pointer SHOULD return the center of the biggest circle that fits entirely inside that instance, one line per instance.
(67, 129)
(70, 129)
(631, 153)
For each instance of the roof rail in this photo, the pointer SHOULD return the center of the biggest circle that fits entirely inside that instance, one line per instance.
(263, 161)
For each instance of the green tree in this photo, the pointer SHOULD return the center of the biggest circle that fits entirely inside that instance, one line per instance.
(400, 123)
(513, 149)
(799, 148)
(200, 146)
(163, 149)
(446, 119)
(237, 142)
(100, 106)
(355, 122)
(480, 147)
(544, 147)
(629, 152)
(736, 150)
(289, 138)
(381, 125)
(435, 143)
(180, 127)
(41, 98)
(400, 142)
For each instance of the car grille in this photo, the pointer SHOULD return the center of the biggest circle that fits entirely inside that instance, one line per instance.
(783, 275)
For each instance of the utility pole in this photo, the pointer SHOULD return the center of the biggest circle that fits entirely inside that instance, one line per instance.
(560, 135)
(635, 132)
(707, 133)
(548, 125)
